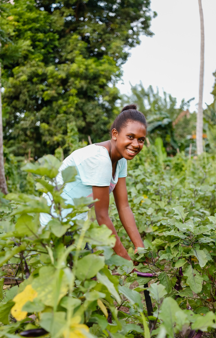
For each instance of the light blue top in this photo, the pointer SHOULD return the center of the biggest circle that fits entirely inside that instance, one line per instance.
(94, 168)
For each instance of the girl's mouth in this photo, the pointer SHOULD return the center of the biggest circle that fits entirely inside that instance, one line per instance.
(131, 152)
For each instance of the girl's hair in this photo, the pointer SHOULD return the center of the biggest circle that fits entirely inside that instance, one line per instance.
(128, 113)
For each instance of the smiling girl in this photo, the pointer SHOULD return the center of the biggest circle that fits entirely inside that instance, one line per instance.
(102, 169)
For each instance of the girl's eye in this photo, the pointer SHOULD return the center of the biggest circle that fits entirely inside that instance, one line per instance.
(130, 137)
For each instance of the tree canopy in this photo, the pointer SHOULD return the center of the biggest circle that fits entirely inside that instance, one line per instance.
(166, 119)
(61, 68)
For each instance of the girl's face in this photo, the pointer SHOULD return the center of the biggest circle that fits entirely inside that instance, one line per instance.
(130, 139)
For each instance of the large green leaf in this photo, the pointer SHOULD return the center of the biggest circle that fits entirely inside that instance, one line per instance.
(45, 285)
(69, 174)
(126, 265)
(26, 226)
(146, 328)
(11, 253)
(201, 256)
(179, 210)
(171, 315)
(33, 206)
(35, 306)
(131, 327)
(118, 261)
(133, 296)
(46, 166)
(165, 280)
(100, 235)
(194, 279)
(157, 291)
(204, 322)
(68, 302)
(103, 279)
(55, 323)
(57, 228)
(44, 186)
(5, 312)
(89, 266)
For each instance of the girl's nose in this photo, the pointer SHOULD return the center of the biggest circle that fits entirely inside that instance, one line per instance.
(135, 143)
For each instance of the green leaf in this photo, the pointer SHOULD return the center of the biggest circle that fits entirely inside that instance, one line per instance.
(46, 320)
(204, 322)
(33, 206)
(109, 285)
(187, 226)
(101, 320)
(19, 197)
(186, 293)
(157, 291)
(26, 226)
(11, 293)
(94, 295)
(180, 263)
(88, 266)
(46, 166)
(162, 332)
(57, 228)
(201, 256)
(82, 201)
(35, 306)
(146, 328)
(132, 327)
(69, 174)
(5, 312)
(68, 302)
(165, 280)
(168, 315)
(10, 254)
(44, 186)
(125, 264)
(212, 219)
(194, 279)
(54, 323)
(100, 235)
(179, 210)
(133, 296)
(45, 285)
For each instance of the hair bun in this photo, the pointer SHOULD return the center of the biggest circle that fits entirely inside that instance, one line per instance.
(130, 106)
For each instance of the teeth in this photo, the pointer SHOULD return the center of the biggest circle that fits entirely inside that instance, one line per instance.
(131, 152)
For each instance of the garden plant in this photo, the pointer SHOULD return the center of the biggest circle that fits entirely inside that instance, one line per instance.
(54, 285)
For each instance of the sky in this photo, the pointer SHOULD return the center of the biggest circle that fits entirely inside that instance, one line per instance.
(170, 60)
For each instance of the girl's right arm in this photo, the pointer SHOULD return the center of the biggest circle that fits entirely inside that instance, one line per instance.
(102, 216)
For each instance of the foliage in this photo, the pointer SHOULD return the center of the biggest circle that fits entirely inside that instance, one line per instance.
(67, 60)
(174, 203)
(173, 200)
(173, 124)
(210, 119)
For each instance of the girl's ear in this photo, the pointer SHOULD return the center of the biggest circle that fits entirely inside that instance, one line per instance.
(114, 134)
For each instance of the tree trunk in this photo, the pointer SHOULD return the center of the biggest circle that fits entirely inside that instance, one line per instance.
(199, 126)
(3, 184)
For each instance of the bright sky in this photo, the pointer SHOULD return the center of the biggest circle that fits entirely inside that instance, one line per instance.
(170, 60)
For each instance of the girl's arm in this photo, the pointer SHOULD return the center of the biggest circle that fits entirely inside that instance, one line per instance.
(102, 216)
(125, 213)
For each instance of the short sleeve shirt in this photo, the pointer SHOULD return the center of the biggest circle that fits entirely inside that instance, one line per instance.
(94, 168)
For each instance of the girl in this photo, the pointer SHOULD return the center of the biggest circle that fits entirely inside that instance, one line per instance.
(102, 168)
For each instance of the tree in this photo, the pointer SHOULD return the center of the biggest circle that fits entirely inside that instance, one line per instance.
(165, 119)
(199, 127)
(72, 52)
(3, 184)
